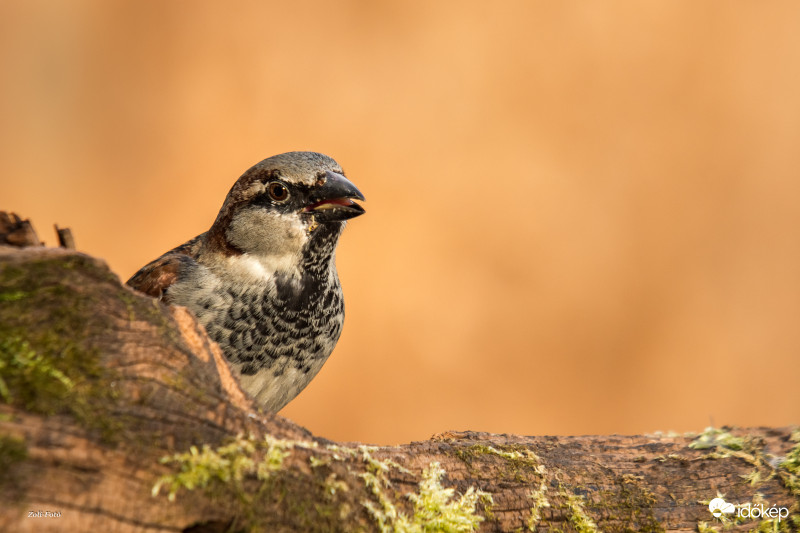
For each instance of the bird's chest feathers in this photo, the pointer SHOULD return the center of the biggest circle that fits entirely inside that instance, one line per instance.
(250, 289)
(248, 269)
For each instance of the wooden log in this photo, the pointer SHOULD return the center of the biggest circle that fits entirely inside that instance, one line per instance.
(118, 414)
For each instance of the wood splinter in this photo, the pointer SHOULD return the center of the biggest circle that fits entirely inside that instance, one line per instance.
(14, 231)
(65, 238)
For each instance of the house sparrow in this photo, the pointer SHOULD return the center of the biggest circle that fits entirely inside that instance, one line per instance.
(263, 279)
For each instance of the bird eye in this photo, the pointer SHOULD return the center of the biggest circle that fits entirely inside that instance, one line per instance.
(278, 191)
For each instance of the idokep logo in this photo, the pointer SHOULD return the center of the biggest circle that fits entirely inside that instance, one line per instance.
(719, 507)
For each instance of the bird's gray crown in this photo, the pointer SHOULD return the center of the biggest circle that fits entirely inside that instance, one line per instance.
(295, 167)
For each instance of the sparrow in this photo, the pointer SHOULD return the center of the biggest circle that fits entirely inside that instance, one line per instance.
(263, 280)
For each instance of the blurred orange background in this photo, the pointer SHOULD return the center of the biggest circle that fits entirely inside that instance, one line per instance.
(581, 217)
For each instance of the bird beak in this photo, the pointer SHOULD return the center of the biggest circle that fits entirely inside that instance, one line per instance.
(333, 200)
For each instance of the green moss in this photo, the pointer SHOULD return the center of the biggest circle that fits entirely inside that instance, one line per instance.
(673, 457)
(227, 465)
(248, 474)
(791, 465)
(577, 514)
(12, 450)
(717, 438)
(789, 472)
(520, 463)
(28, 373)
(334, 485)
(540, 502)
(632, 504)
(47, 364)
(12, 296)
(200, 468)
(316, 462)
(436, 509)
(57, 378)
(725, 445)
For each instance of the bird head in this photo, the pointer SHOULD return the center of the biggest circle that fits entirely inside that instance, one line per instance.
(282, 205)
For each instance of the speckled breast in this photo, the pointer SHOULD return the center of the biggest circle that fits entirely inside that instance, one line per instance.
(276, 327)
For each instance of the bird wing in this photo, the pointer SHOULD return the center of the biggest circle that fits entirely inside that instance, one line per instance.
(155, 278)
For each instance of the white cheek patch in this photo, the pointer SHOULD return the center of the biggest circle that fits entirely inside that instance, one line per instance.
(268, 235)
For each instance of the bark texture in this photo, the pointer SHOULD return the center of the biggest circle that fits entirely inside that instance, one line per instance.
(107, 393)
